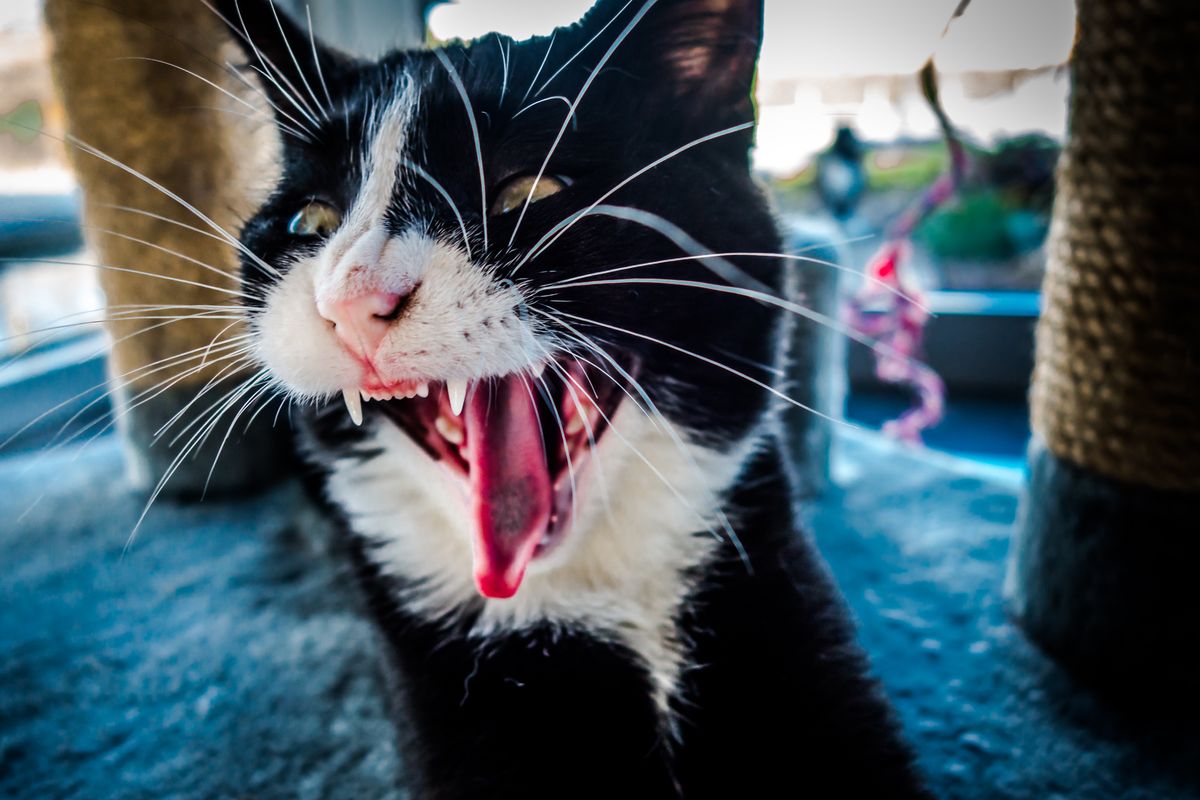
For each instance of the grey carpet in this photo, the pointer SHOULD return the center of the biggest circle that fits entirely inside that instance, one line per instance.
(225, 655)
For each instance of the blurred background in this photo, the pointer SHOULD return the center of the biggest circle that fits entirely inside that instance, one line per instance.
(844, 73)
(226, 653)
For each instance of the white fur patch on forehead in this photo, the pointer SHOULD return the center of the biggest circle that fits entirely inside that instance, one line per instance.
(384, 149)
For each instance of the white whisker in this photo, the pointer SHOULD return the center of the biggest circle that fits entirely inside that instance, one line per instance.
(589, 429)
(712, 362)
(462, 93)
(780, 256)
(165, 479)
(169, 278)
(138, 373)
(541, 66)
(581, 50)
(543, 100)
(769, 298)
(260, 117)
(224, 237)
(225, 373)
(306, 133)
(420, 171)
(558, 230)
(295, 61)
(504, 54)
(312, 40)
(723, 268)
(268, 67)
(87, 148)
(147, 395)
(166, 250)
(654, 418)
(562, 430)
(574, 105)
(266, 385)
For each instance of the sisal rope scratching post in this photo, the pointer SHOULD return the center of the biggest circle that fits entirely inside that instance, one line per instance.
(160, 121)
(1103, 568)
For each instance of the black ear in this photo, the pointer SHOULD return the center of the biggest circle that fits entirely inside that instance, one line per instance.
(705, 51)
(301, 75)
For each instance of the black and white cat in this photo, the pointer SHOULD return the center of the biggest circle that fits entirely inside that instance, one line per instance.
(504, 279)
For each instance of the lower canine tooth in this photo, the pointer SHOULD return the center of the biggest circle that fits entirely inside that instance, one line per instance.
(353, 404)
(450, 431)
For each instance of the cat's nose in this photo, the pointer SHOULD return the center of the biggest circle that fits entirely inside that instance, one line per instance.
(362, 321)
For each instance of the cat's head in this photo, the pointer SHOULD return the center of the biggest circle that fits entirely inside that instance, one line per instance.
(498, 245)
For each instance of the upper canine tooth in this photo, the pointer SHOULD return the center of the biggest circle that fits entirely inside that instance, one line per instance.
(423, 390)
(353, 404)
(456, 388)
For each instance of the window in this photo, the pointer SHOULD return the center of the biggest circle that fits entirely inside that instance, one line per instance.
(39, 207)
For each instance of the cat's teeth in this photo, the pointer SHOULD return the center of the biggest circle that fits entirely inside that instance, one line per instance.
(423, 390)
(363, 393)
(450, 430)
(456, 388)
(353, 404)
(574, 424)
(538, 369)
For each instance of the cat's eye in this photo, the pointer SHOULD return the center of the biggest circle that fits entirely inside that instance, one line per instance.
(516, 192)
(315, 219)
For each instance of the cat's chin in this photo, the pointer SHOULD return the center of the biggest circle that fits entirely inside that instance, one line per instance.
(520, 443)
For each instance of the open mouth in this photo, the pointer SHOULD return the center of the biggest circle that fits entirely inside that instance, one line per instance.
(519, 442)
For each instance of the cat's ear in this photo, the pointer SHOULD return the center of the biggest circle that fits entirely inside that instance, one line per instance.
(704, 51)
(297, 71)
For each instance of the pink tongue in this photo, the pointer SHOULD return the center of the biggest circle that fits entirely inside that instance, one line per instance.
(510, 483)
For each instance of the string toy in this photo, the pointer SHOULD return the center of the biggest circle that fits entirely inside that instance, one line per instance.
(889, 307)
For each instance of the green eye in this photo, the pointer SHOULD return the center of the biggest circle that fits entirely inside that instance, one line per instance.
(315, 219)
(514, 194)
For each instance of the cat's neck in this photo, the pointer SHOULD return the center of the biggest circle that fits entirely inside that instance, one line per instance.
(554, 710)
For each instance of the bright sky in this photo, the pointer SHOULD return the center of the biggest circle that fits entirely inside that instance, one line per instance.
(822, 39)
(19, 14)
(835, 37)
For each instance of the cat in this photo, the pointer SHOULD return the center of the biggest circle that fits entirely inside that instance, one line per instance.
(541, 396)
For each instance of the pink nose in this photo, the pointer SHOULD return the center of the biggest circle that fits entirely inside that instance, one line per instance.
(363, 320)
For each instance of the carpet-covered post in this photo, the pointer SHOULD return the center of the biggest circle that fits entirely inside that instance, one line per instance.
(1102, 572)
(153, 111)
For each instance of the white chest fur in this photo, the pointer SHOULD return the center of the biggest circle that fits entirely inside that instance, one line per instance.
(647, 515)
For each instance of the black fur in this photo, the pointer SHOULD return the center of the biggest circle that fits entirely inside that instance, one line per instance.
(775, 700)
(778, 702)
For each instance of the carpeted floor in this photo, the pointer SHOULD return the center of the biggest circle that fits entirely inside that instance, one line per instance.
(224, 654)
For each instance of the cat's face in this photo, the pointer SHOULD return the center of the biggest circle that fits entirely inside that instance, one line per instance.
(467, 244)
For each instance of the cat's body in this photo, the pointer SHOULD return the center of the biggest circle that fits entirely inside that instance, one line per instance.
(567, 499)
(772, 699)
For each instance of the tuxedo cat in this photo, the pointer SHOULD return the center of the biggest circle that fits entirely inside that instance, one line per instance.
(512, 285)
